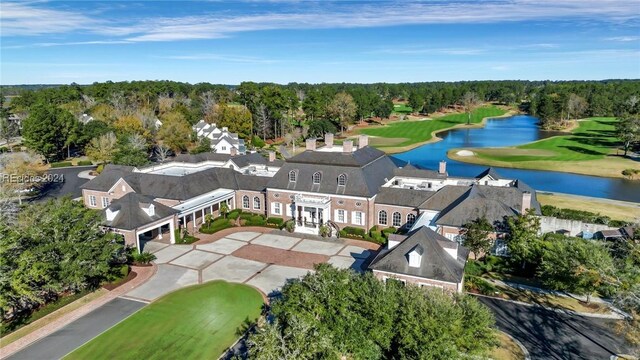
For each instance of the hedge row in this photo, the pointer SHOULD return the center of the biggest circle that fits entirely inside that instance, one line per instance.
(61, 164)
(85, 162)
(217, 225)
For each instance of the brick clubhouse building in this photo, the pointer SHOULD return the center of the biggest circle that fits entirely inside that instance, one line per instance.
(330, 185)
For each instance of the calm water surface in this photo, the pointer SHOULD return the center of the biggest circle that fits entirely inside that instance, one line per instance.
(511, 131)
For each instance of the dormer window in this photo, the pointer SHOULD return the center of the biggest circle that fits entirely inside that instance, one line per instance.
(342, 180)
(150, 210)
(415, 256)
(293, 175)
(111, 214)
(317, 177)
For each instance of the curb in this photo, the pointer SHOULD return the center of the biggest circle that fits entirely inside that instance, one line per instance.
(522, 347)
(613, 316)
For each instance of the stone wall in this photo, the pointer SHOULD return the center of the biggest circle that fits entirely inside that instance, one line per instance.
(551, 224)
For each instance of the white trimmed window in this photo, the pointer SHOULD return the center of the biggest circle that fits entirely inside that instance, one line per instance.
(342, 180)
(341, 216)
(256, 203)
(92, 201)
(397, 219)
(245, 202)
(411, 218)
(317, 177)
(276, 208)
(105, 202)
(357, 218)
(292, 176)
(382, 217)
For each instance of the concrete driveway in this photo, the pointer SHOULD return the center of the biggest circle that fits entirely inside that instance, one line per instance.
(265, 261)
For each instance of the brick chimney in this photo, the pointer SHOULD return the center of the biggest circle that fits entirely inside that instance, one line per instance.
(311, 144)
(272, 156)
(363, 140)
(442, 169)
(328, 140)
(347, 146)
(526, 202)
(234, 151)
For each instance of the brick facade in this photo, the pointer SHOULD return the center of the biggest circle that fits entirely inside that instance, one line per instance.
(240, 194)
(390, 209)
(445, 286)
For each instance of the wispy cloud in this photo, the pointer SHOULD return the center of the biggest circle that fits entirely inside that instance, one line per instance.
(219, 57)
(37, 19)
(623, 38)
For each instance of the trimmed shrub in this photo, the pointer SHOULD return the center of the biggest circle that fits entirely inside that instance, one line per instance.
(290, 226)
(389, 230)
(257, 141)
(246, 215)
(217, 225)
(100, 168)
(255, 220)
(234, 214)
(354, 231)
(275, 221)
(85, 162)
(61, 164)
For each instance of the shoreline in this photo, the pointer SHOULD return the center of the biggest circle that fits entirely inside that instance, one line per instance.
(389, 150)
(555, 166)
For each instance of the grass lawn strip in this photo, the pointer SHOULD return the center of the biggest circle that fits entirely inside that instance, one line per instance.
(546, 300)
(197, 322)
(588, 149)
(614, 209)
(507, 349)
(50, 314)
(418, 132)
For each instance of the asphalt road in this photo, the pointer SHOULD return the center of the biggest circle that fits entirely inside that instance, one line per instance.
(549, 335)
(74, 335)
(70, 186)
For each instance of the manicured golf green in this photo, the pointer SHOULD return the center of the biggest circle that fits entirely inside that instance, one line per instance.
(198, 322)
(412, 132)
(593, 139)
(589, 149)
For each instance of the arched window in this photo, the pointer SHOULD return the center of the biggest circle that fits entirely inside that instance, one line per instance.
(245, 202)
(411, 218)
(382, 217)
(256, 203)
(397, 219)
(317, 176)
(342, 180)
(292, 176)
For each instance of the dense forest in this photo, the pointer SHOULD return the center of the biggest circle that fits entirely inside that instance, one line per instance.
(125, 112)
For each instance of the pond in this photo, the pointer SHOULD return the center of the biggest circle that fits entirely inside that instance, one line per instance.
(512, 131)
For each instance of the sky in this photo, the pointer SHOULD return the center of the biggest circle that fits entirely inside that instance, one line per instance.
(227, 42)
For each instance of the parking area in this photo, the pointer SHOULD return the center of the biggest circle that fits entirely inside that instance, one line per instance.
(265, 261)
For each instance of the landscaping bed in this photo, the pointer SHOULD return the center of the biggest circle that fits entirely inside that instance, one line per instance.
(197, 322)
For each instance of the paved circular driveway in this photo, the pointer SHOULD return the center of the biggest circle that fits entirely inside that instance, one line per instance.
(264, 261)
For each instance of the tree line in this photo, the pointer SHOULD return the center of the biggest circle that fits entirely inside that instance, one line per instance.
(263, 111)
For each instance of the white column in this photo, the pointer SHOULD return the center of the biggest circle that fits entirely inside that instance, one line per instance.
(172, 235)
(137, 241)
(160, 232)
(193, 215)
(202, 214)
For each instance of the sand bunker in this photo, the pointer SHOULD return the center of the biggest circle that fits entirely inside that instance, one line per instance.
(465, 153)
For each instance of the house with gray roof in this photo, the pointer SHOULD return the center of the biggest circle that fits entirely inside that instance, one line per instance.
(424, 258)
(222, 141)
(337, 186)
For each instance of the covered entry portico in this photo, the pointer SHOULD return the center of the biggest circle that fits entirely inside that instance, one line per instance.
(193, 211)
(310, 213)
(156, 231)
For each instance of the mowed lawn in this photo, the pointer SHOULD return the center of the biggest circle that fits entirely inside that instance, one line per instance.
(593, 139)
(198, 322)
(411, 132)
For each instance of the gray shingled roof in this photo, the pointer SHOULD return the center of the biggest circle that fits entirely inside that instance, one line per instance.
(444, 197)
(435, 264)
(167, 187)
(491, 172)
(359, 157)
(367, 169)
(109, 176)
(250, 182)
(402, 197)
(490, 202)
(196, 158)
(131, 215)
